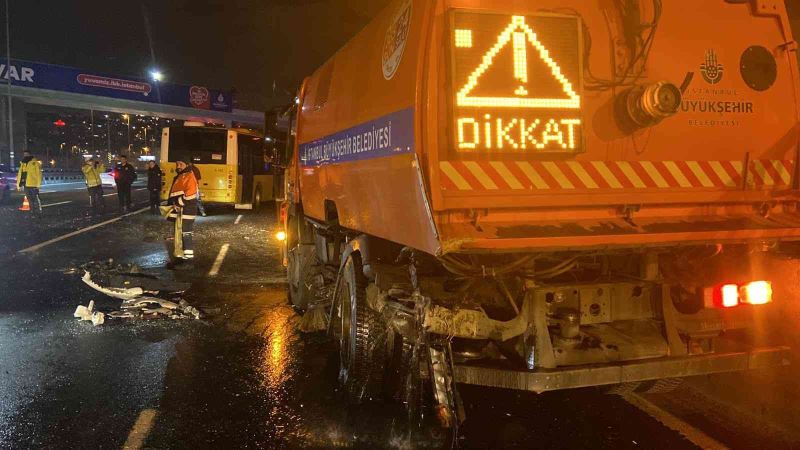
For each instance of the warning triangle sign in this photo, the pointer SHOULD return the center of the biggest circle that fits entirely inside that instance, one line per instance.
(521, 41)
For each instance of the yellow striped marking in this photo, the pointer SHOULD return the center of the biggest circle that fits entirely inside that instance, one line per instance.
(677, 174)
(722, 174)
(507, 175)
(454, 176)
(701, 174)
(533, 175)
(782, 172)
(606, 174)
(556, 173)
(582, 174)
(482, 177)
(651, 170)
(626, 168)
(759, 168)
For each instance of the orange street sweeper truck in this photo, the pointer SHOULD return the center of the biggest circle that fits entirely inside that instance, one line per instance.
(545, 195)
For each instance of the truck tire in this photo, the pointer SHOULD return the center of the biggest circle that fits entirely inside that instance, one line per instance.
(301, 257)
(362, 340)
(398, 370)
(298, 272)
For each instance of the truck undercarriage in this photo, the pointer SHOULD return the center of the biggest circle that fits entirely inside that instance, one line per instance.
(627, 319)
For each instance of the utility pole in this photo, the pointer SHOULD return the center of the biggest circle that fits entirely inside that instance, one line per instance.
(108, 133)
(8, 98)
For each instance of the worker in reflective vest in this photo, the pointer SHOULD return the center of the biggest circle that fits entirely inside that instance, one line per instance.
(183, 199)
(29, 180)
(91, 171)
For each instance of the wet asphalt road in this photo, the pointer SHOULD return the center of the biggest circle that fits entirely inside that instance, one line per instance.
(243, 377)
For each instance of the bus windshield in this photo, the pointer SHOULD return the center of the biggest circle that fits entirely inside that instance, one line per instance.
(198, 145)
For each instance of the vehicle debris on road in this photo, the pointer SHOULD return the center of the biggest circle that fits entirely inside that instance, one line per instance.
(143, 296)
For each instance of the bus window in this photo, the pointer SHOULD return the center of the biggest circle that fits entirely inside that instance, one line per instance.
(198, 145)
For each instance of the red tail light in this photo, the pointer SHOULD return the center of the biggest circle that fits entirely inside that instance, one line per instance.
(726, 296)
(757, 293)
(731, 295)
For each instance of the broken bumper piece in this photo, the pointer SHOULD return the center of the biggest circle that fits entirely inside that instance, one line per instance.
(138, 294)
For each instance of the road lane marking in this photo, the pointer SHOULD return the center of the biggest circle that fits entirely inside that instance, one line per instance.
(218, 262)
(56, 204)
(672, 422)
(81, 231)
(238, 219)
(144, 423)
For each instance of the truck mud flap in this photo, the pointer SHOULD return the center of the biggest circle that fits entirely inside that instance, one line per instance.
(578, 377)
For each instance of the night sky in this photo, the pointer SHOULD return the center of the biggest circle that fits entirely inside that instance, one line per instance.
(218, 43)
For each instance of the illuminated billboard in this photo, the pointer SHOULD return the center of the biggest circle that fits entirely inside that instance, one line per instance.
(516, 83)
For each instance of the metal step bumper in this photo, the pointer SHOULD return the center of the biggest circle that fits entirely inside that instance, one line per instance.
(577, 377)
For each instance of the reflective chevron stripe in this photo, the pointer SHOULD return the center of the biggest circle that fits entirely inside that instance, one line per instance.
(611, 175)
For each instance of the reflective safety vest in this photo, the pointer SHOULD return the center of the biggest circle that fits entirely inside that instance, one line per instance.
(33, 171)
(92, 174)
(183, 188)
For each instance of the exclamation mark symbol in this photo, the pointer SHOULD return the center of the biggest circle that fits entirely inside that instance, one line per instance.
(520, 62)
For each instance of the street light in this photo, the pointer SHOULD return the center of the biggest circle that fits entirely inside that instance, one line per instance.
(128, 119)
(156, 75)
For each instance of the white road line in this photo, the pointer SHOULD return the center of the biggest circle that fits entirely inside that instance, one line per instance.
(238, 219)
(140, 430)
(81, 231)
(218, 262)
(109, 195)
(691, 433)
(56, 204)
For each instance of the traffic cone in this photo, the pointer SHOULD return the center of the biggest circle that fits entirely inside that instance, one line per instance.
(25, 205)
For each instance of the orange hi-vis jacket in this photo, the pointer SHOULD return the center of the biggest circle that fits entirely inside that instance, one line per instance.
(184, 188)
(183, 195)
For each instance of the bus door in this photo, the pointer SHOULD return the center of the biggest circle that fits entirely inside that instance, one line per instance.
(245, 170)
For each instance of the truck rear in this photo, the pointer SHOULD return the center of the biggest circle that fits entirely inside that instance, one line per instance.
(547, 195)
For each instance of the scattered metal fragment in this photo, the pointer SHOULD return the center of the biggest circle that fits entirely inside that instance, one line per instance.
(98, 318)
(144, 302)
(84, 312)
(120, 293)
(138, 293)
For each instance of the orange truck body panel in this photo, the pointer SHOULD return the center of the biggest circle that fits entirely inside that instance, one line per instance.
(377, 133)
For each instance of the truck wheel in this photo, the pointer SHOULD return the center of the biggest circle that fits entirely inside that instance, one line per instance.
(399, 363)
(301, 258)
(362, 340)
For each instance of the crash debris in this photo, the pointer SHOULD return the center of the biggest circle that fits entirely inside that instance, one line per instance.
(144, 296)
